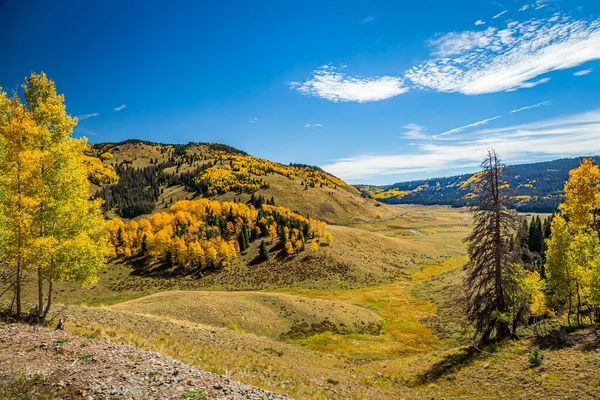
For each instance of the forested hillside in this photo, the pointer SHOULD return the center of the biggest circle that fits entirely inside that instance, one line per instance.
(136, 178)
(535, 187)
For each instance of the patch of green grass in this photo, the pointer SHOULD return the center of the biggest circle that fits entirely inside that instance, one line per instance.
(85, 357)
(234, 327)
(109, 301)
(60, 342)
(194, 394)
(276, 352)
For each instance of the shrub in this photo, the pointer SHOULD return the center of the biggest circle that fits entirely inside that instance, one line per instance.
(535, 357)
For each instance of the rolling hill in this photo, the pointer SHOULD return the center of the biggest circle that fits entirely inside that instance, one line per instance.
(536, 187)
(152, 176)
(265, 314)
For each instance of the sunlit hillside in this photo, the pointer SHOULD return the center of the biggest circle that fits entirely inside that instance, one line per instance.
(220, 172)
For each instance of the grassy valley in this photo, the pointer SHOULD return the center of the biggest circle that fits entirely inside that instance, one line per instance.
(376, 312)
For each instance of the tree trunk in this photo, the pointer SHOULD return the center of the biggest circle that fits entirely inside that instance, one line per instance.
(569, 311)
(18, 290)
(516, 322)
(49, 300)
(40, 293)
(578, 305)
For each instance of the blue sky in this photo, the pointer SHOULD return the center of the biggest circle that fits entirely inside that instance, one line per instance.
(374, 91)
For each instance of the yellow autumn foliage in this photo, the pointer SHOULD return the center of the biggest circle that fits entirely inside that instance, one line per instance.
(205, 233)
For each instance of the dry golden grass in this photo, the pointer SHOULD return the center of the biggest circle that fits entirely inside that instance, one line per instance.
(335, 206)
(411, 281)
(260, 361)
(355, 259)
(392, 365)
(139, 154)
(265, 314)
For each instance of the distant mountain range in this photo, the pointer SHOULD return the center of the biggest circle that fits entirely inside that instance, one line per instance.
(535, 187)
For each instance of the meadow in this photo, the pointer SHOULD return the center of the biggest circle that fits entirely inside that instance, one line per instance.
(378, 314)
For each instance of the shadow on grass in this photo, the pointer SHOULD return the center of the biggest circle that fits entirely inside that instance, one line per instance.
(556, 339)
(275, 251)
(451, 362)
(586, 337)
(142, 267)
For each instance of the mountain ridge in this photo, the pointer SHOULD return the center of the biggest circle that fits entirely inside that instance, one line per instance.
(535, 187)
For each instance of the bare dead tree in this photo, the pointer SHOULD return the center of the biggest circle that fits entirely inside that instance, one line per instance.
(491, 274)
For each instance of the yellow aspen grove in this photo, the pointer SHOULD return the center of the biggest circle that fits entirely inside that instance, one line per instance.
(207, 234)
(65, 239)
(19, 202)
(574, 245)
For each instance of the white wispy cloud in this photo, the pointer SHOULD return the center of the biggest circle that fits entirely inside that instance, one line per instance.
(472, 125)
(543, 103)
(252, 120)
(500, 14)
(529, 85)
(85, 131)
(547, 139)
(312, 126)
(414, 131)
(511, 58)
(536, 6)
(479, 22)
(367, 20)
(122, 106)
(583, 72)
(86, 116)
(331, 84)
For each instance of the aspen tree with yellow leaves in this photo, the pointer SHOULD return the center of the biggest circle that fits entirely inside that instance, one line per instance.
(49, 224)
(573, 255)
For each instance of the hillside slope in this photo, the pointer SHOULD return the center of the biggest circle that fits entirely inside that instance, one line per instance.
(153, 176)
(536, 187)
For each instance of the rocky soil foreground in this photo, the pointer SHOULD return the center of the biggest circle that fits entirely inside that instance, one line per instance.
(54, 364)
